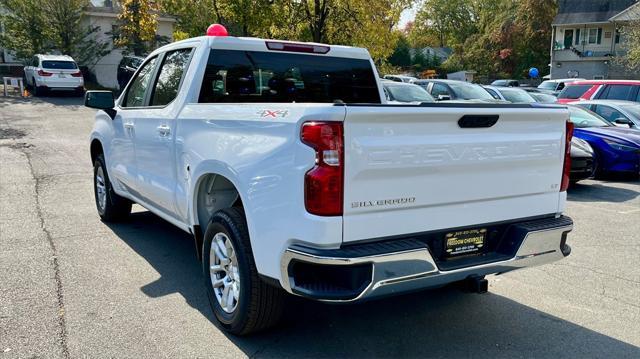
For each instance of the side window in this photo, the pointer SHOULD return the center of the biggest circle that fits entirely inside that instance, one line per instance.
(439, 89)
(607, 112)
(619, 92)
(560, 86)
(174, 65)
(138, 87)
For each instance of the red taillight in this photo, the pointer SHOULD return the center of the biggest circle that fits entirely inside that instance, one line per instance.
(44, 73)
(77, 74)
(293, 47)
(323, 184)
(566, 170)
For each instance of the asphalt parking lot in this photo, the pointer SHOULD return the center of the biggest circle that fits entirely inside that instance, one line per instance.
(72, 286)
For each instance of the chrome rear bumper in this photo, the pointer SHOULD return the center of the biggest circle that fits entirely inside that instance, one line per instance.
(410, 266)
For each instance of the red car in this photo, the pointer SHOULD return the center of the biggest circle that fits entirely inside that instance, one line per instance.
(628, 90)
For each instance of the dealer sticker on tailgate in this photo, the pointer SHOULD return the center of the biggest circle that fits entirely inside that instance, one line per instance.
(465, 242)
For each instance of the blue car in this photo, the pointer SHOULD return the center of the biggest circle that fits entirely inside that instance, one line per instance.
(617, 149)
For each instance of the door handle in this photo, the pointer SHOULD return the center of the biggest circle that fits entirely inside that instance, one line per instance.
(164, 130)
(128, 125)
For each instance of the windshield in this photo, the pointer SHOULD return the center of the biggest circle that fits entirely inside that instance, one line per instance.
(517, 96)
(408, 93)
(548, 85)
(583, 118)
(633, 110)
(59, 65)
(543, 98)
(465, 91)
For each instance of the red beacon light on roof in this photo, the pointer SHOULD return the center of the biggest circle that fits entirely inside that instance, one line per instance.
(217, 30)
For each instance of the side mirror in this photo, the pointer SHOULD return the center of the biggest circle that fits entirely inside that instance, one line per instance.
(622, 121)
(102, 100)
(444, 97)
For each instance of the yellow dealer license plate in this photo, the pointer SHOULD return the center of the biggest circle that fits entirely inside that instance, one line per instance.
(465, 242)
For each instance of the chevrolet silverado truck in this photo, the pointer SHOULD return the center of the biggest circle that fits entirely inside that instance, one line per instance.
(293, 175)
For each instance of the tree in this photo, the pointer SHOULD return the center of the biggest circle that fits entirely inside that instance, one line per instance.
(40, 26)
(25, 28)
(630, 32)
(446, 22)
(367, 23)
(137, 24)
(401, 55)
(493, 37)
(70, 35)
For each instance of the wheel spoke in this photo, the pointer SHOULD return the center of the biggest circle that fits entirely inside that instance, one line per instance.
(223, 269)
(236, 292)
(218, 283)
(225, 296)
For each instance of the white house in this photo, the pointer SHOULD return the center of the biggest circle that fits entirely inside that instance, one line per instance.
(586, 37)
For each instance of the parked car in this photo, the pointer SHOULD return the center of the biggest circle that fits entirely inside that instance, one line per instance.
(53, 72)
(443, 90)
(127, 67)
(620, 113)
(543, 97)
(582, 160)
(294, 176)
(510, 94)
(553, 87)
(617, 150)
(400, 92)
(400, 78)
(506, 83)
(627, 90)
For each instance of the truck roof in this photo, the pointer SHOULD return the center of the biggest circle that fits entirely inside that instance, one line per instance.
(257, 44)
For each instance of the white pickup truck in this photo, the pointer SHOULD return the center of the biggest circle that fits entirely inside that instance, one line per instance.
(293, 175)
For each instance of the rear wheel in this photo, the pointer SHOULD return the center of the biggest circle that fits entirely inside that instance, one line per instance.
(34, 87)
(242, 302)
(111, 207)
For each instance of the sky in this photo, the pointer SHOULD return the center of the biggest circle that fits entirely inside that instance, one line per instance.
(408, 15)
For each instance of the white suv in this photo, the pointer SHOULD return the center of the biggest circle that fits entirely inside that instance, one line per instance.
(53, 72)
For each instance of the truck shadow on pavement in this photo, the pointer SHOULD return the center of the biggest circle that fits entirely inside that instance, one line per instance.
(596, 192)
(437, 323)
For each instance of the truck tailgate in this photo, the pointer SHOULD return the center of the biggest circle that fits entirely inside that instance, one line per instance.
(412, 169)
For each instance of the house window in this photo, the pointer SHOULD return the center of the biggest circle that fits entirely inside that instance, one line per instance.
(595, 35)
(577, 37)
(115, 33)
(617, 36)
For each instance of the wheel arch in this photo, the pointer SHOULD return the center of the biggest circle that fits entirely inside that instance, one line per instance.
(96, 149)
(214, 189)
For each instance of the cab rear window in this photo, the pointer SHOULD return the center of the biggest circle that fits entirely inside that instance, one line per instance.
(257, 76)
(59, 65)
(574, 91)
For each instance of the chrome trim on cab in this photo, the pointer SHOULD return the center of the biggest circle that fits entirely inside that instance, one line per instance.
(404, 271)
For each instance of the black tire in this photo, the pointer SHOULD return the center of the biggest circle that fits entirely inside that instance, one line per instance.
(259, 305)
(114, 208)
(36, 90)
